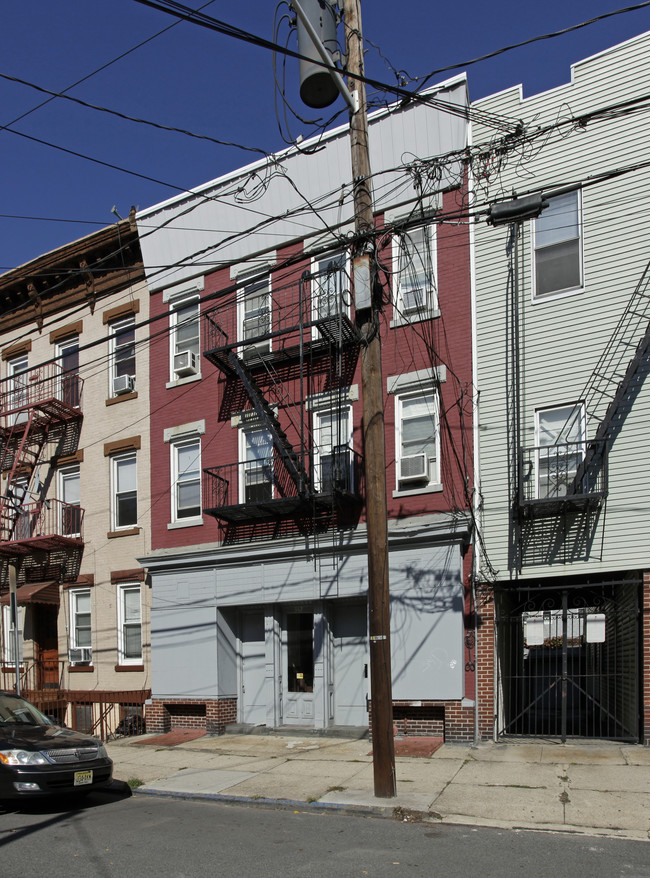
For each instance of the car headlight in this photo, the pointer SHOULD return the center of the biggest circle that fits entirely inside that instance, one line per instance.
(101, 752)
(22, 757)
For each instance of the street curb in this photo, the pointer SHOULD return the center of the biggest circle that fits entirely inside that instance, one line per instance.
(279, 804)
(395, 812)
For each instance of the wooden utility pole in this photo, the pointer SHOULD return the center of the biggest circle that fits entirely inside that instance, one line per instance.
(383, 747)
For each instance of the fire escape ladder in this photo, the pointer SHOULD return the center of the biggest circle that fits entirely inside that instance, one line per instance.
(615, 375)
(23, 449)
(292, 461)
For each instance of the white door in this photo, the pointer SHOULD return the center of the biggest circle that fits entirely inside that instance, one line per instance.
(253, 669)
(298, 669)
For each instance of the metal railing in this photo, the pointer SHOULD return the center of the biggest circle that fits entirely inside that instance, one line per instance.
(47, 384)
(41, 520)
(564, 473)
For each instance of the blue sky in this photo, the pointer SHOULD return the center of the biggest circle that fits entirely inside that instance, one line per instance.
(210, 84)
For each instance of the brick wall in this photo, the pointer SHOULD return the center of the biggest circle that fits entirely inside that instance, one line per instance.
(485, 661)
(645, 625)
(177, 713)
(437, 719)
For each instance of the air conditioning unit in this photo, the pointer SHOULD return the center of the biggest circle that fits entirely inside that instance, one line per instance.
(123, 384)
(413, 468)
(185, 363)
(78, 654)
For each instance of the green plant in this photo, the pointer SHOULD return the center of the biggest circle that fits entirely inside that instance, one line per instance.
(135, 782)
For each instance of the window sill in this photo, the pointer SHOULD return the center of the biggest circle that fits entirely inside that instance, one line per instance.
(123, 397)
(81, 669)
(127, 532)
(407, 320)
(121, 668)
(555, 295)
(187, 522)
(429, 489)
(178, 382)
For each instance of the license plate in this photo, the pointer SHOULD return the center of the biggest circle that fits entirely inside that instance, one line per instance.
(82, 777)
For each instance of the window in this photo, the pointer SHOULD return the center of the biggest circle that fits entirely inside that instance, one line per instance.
(558, 258)
(414, 265)
(124, 490)
(332, 450)
(8, 636)
(330, 287)
(17, 387)
(560, 447)
(17, 500)
(184, 318)
(254, 308)
(186, 479)
(256, 481)
(122, 351)
(417, 441)
(69, 493)
(129, 623)
(68, 354)
(80, 632)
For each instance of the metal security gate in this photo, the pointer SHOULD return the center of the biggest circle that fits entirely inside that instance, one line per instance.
(568, 662)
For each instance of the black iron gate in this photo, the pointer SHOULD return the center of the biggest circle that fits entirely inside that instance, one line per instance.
(568, 662)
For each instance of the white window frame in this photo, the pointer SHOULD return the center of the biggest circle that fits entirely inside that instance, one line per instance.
(8, 640)
(116, 460)
(319, 269)
(555, 208)
(177, 304)
(245, 291)
(574, 416)
(323, 446)
(431, 481)
(178, 478)
(75, 595)
(63, 348)
(67, 475)
(406, 257)
(122, 622)
(17, 386)
(244, 447)
(116, 327)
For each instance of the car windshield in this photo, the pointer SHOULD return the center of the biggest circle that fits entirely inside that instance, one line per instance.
(16, 710)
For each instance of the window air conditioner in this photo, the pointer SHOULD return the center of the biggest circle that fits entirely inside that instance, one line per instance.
(78, 654)
(123, 384)
(185, 363)
(413, 468)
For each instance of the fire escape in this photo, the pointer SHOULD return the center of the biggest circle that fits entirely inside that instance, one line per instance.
(581, 468)
(39, 410)
(276, 347)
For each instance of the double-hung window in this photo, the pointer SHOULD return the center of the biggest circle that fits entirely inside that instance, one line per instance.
(254, 309)
(330, 287)
(185, 323)
(17, 387)
(333, 450)
(558, 247)
(122, 349)
(186, 478)
(256, 478)
(124, 486)
(417, 440)
(70, 495)
(129, 613)
(80, 626)
(9, 635)
(414, 267)
(560, 435)
(68, 354)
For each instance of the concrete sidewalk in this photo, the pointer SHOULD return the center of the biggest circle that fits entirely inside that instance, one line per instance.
(596, 788)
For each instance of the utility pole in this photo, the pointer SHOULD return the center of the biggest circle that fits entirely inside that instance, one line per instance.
(383, 746)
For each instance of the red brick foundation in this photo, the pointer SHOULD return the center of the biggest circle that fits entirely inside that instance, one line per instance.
(213, 715)
(436, 719)
(485, 652)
